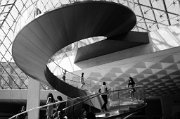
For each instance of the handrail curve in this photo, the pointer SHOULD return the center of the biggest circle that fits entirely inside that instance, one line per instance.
(80, 100)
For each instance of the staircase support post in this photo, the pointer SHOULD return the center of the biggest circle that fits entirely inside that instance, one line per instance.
(33, 98)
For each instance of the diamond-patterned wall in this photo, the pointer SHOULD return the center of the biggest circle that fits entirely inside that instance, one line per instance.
(160, 75)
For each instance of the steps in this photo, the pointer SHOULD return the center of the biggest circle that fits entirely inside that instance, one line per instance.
(120, 111)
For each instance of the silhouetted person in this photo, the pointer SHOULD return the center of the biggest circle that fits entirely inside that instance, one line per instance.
(37, 12)
(50, 109)
(82, 80)
(60, 107)
(104, 89)
(64, 75)
(131, 85)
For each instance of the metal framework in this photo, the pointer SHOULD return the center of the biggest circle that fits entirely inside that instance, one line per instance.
(151, 15)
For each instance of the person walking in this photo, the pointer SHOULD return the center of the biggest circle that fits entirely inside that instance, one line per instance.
(82, 80)
(103, 89)
(50, 109)
(60, 106)
(131, 85)
(64, 76)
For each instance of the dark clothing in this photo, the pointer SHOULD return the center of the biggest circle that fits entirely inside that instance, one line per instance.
(91, 115)
(60, 108)
(105, 99)
(131, 83)
(103, 89)
(50, 109)
(64, 75)
(64, 78)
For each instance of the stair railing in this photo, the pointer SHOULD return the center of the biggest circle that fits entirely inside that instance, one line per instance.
(75, 106)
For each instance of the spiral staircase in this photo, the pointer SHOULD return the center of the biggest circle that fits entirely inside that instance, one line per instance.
(39, 40)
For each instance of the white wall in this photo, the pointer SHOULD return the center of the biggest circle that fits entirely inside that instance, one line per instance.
(19, 94)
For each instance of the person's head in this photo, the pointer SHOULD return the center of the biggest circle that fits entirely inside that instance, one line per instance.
(82, 74)
(50, 95)
(59, 98)
(104, 83)
(130, 78)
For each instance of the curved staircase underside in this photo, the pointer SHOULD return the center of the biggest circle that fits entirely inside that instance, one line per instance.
(38, 41)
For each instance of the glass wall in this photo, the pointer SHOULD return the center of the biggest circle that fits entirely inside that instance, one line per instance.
(15, 14)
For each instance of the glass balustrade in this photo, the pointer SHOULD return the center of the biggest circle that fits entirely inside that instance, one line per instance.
(120, 104)
(69, 77)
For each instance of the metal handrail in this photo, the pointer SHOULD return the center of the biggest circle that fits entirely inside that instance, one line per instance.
(98, 94)
(59, 102)
(83, 98)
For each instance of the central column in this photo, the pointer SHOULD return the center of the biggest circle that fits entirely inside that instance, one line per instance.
(33, 98)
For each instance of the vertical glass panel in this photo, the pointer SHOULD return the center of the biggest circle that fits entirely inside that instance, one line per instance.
(8, 56)
(173, 6)
(175, 30)
(6, 43)
(19, 4)
(144, 2)
(10, 20)
(15, 12)
(158, 4)
(174, 19)
(166, 36)
(161, 17)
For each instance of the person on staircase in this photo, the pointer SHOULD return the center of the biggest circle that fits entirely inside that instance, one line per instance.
(82, 80)
(104, 89)
(50, 108)
(131, 86)
(64, 75)
(60, 113)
